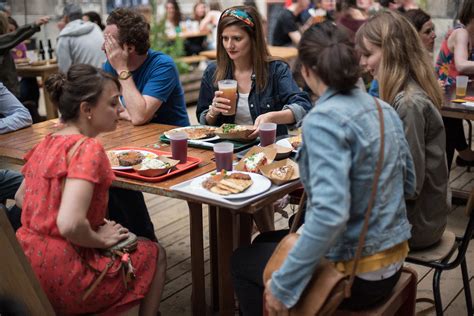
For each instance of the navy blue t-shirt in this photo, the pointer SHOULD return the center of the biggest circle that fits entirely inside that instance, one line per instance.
(158, 77)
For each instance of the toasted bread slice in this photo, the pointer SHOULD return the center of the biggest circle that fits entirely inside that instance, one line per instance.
(237, 184)
(220, 191)
(232, 190)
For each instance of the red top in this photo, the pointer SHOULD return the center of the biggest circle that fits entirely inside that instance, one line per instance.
(65, 271)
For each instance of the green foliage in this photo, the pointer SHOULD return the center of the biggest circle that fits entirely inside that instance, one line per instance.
(160, 42)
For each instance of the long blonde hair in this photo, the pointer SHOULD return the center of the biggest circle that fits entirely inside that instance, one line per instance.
(403, 56)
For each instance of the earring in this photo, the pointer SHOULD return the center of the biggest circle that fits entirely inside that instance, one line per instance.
(89, 117)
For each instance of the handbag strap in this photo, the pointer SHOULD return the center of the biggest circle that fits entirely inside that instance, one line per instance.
(373, 194)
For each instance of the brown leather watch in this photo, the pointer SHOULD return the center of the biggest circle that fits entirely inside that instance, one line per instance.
(124, 74)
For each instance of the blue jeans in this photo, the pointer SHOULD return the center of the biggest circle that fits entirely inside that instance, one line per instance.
(9, 183)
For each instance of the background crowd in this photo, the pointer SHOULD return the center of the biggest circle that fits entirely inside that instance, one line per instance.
(108, 72)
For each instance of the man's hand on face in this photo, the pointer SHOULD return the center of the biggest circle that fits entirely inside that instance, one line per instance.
(117, 55)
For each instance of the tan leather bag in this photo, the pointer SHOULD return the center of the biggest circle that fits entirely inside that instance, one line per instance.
(328, 287)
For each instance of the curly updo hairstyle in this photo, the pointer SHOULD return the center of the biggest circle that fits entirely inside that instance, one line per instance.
(328, 52)
(82, 83)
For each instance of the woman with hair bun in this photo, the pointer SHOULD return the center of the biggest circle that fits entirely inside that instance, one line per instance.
(64, 200)
(338, 157)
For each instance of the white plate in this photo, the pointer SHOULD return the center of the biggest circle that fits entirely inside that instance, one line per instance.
(285, 143)
(260, 185)
(193, 127)
(145, 153)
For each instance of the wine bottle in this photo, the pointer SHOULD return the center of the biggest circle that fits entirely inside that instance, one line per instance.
(50, 49)
(41, 50)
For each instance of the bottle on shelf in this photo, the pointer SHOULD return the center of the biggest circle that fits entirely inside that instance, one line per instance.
(41, 50)
(50, 50)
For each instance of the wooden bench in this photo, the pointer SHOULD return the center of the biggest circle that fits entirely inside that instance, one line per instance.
(18, 282)
(191, 83)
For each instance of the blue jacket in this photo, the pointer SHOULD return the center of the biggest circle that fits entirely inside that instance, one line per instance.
(281, 93)
(337, 160)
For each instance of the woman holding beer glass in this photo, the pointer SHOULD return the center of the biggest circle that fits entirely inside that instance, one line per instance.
(258, 88)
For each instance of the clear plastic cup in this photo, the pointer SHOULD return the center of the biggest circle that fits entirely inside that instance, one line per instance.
(179, 146)
(229, 91)
(461, 85)
(267, 133)
(223, 153)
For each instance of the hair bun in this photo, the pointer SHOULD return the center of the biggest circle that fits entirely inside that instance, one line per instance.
(55, 85)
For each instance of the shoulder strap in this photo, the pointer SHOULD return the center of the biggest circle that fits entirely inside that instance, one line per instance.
(373, 194)
(73, 149)
(70, 154)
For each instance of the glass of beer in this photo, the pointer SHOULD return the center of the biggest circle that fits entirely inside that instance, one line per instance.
(461, 86)
(229, 91)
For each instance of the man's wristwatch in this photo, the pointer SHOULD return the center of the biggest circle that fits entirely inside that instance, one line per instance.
(124, 74)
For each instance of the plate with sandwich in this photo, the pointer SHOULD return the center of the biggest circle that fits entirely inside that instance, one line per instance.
(235, 132)
(196, 132)
(230, 184)
(126, 159)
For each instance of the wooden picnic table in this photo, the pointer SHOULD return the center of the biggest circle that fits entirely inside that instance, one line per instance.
(286, 53)
(228, 228)
(456, 110)
(44, 72)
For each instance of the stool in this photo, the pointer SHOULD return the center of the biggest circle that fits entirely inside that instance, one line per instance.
(401, 301)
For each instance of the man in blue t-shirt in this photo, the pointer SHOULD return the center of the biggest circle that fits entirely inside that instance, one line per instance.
(151, 90)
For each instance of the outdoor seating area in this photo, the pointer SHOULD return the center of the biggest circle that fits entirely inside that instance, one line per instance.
(269, 157)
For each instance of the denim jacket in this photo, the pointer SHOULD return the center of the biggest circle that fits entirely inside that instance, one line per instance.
(337, 160)
(281, 93)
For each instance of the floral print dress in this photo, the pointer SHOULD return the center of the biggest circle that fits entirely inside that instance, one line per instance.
(445, 64)
(64, 270)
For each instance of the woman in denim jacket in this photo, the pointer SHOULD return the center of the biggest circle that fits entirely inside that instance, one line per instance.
(337, 160)
(266, 89)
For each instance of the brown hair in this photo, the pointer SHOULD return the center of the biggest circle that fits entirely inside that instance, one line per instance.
(466, 13)
(3, 23)
(404, 56)
(132, 28)
(417, 17)
(82, 83)
(327, 50)
(177, 12)
(259, 52)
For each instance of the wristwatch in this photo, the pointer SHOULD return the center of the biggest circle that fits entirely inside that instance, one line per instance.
(124, 74)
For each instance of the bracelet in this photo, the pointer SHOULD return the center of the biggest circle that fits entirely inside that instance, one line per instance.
(209, 112)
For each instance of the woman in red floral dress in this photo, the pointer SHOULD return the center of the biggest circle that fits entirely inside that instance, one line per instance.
(64, 227)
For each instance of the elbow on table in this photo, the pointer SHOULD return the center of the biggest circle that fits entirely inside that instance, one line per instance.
(139, 120)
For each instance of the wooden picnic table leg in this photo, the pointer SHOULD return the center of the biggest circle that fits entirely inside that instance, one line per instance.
(198, 296)
(213, 257)
(225, 248)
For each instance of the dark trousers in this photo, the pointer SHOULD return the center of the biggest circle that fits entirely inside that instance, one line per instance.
(128, 208)
(455, 138)
(29, 96)
(249, 262)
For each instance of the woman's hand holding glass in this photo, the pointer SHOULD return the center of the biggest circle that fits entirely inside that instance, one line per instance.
(219, 104)
(111, 233)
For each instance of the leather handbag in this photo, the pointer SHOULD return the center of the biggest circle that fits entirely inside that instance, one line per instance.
(328, 287)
